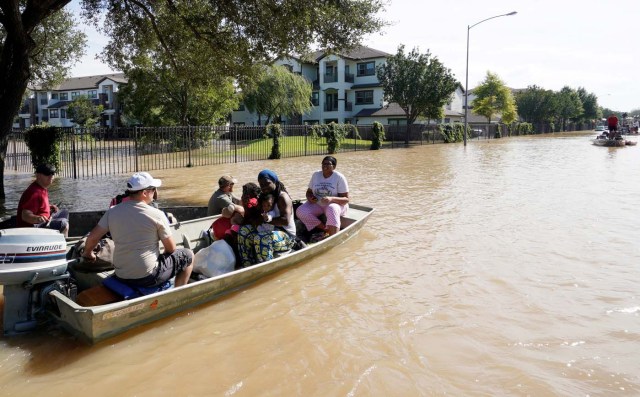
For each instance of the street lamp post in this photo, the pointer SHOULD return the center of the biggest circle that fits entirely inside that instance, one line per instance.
(466, 84)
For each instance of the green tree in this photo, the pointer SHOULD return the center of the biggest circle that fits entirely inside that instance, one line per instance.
(155, 96)
(419, 83)
(200, 40)
(83, 112)
(536, 105)
(38, 44)
(590, 109)
(569, 105)
(493, 97)
(278, 93)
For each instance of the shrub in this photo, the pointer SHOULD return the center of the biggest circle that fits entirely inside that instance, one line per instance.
(378, 136)
(451, 133)
(334, 133)
(44, 144)
(275, 132)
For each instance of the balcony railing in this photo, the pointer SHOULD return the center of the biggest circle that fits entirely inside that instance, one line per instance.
(349, 78)
(330, 78)
(330, 108)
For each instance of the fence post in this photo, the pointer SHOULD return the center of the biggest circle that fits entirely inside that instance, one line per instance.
(306, 135)
(354, 130)
(189, 145)
(235, 143)
(135, 146)
(74, 164)
(15, 153)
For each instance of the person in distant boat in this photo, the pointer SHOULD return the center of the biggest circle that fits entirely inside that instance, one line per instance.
(222, 197)
(34, 208)
(328, 194)
(612, 123)
(136, 228)
(256, 246)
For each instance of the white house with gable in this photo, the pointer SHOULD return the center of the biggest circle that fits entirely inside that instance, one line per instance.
(346, 90)
(51, 105)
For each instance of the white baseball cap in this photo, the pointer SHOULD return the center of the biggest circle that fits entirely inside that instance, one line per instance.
(141, 181)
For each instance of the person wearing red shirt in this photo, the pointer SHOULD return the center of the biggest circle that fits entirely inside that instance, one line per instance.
(612, 122)
(34, 208)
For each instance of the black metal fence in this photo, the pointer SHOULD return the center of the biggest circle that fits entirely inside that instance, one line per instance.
(86, 153)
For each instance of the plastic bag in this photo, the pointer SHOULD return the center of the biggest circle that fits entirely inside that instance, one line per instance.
(214, 260)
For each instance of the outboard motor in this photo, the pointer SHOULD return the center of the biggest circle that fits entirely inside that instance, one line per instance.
(32, 264)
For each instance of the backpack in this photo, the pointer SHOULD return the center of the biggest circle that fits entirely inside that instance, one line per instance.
(104, 255)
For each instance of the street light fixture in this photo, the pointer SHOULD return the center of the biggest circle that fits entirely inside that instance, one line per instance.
(466, 84)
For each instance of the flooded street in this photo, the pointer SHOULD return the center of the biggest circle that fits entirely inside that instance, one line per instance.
(509, 267)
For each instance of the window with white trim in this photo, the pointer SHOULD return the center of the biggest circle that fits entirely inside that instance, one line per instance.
(364, 97)
(367, 69)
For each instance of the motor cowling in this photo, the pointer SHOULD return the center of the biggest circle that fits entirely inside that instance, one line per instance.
(32, 260)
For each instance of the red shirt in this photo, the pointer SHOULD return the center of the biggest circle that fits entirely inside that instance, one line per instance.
(36, 200)
(612, 120)
(220, 227)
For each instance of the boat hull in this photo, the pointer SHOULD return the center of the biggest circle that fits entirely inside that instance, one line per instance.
(96, 323)
(609, 142)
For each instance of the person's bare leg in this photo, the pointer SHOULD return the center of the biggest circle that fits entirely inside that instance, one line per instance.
(182, 278)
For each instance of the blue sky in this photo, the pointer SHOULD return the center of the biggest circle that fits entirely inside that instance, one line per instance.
(549, 43)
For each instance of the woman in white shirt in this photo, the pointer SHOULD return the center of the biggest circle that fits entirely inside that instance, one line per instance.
(328, 194)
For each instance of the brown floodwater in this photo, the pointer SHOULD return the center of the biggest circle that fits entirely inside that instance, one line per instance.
(509, 267)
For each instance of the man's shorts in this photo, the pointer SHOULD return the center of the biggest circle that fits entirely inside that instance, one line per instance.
(168, 266)
(59, 221)
(613, 128)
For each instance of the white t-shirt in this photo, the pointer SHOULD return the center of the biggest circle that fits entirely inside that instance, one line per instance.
(330, 186)
(137, 229)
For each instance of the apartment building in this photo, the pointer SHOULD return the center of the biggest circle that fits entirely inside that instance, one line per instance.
(51, 105)
(346, 90)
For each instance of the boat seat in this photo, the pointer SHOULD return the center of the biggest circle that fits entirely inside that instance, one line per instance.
(185, 241)
(127, 291)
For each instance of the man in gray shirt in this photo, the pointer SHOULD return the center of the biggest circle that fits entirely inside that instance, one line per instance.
(137, 228)
(222, 197)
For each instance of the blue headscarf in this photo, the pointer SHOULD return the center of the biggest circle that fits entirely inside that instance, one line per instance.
(268, 174)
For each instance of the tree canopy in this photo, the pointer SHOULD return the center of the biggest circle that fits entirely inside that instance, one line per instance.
(154, 96)
(277, 93)
(83, 112)
(419, 83)
(493, 97)
(201, 39)
(569, 105)
(590, 109)
(536, 105)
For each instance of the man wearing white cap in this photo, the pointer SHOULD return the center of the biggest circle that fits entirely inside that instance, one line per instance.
(222, 197)
(136, 228)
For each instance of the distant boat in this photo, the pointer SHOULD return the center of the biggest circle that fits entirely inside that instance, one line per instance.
(604, 141)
